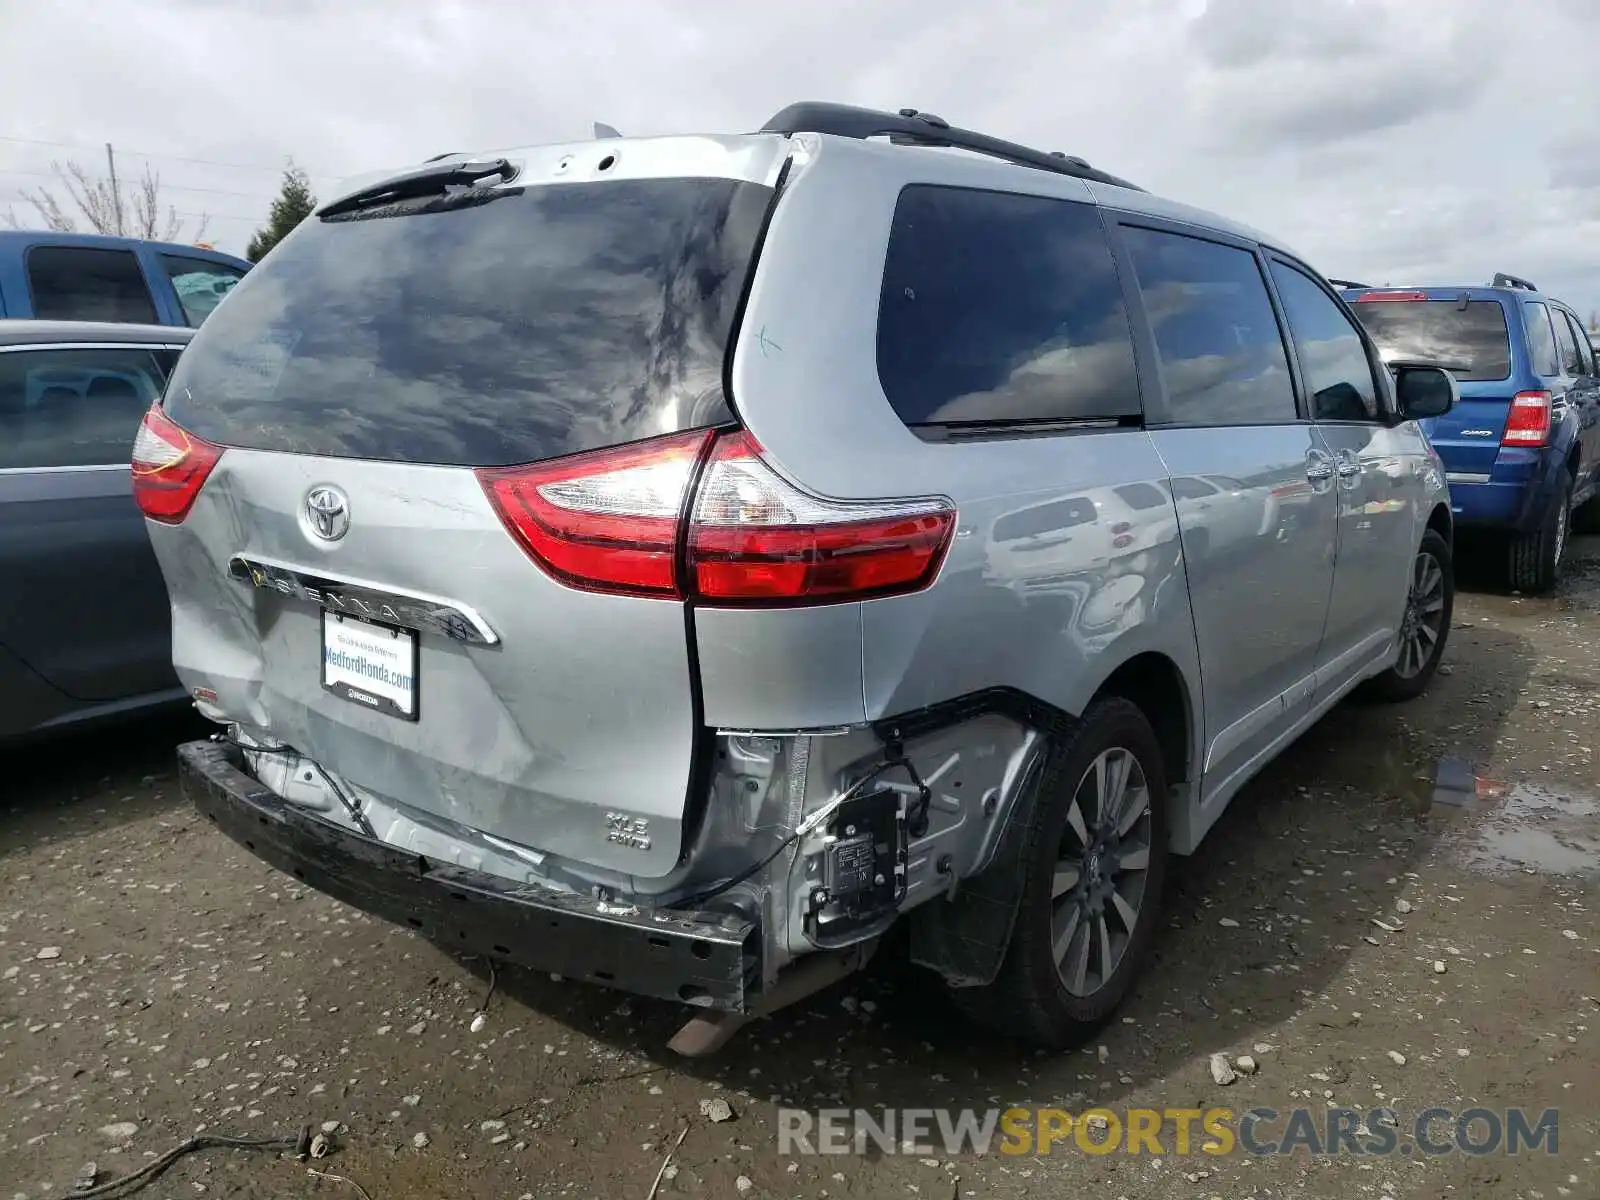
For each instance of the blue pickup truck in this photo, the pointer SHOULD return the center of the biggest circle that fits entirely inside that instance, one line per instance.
(91, 277)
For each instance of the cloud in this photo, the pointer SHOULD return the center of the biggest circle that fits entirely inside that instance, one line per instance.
(1317, 73)
(1385, 138)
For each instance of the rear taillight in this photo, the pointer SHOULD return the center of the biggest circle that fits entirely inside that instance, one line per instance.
(170, 466)
(754, 536)
(1528, 422)
(623, 521)
(606, 521)
(1401, 297)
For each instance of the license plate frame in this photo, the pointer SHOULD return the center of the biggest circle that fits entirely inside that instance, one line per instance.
(369, 647)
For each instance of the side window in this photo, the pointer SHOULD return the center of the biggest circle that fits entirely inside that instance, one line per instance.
(1190, 487)
(1051, 517)
(73, 407)
(1333, 357)
(167, 360)
(77, 283)
(1141, 496)
(1221, 352)
(999, 307)
(1583, 351)
(200, 285)
(1541, 338)
(1566, 347)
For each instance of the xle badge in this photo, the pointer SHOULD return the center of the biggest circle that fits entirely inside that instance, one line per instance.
(633, 832)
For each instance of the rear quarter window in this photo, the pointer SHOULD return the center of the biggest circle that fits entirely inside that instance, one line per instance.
(1541, 338)
(1002, 308)
(80, 283)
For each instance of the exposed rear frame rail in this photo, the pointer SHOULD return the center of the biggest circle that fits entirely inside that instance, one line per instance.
(911, 127)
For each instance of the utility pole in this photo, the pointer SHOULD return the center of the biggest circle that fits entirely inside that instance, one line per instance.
(116, 194)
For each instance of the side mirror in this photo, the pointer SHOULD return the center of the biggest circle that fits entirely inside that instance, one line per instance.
(1423, 390)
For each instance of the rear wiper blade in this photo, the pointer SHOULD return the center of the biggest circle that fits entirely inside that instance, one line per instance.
(431, 179)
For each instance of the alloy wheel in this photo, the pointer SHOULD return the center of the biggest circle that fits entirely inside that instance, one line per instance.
(1422, 627)
(1099, 884)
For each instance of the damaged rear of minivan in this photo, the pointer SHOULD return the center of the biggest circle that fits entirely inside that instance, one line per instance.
(444, 493)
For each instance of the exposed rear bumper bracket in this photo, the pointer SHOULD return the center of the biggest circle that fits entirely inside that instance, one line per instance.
(709, 960)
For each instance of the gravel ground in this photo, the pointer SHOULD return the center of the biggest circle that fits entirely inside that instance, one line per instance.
(156, 982)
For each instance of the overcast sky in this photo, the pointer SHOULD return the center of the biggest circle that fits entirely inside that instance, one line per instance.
(1388, 140)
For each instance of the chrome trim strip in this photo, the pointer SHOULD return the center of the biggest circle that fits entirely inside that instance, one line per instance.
(362, 598)
(1465, 477)
(11, 349)
(60, 470)
(827, 731)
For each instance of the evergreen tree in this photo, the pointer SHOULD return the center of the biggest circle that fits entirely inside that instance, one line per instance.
(293, 205)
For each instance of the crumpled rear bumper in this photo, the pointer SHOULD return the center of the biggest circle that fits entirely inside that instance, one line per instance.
(710, 960)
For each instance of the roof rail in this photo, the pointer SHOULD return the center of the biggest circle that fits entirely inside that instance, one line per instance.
(1348, 283)
(1501, 279)
(909, 127)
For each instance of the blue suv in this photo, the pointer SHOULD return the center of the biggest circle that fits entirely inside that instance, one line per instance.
(1522, 448)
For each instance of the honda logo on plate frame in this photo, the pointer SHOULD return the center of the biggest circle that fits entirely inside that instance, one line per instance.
(327, 513)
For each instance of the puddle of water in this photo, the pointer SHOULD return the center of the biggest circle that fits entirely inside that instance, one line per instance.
(1522, 827)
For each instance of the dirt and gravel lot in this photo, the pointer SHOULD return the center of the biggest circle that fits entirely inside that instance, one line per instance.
(155, 982)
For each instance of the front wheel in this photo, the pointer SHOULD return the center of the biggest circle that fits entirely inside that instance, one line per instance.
(1095, 859)
(1425, 624)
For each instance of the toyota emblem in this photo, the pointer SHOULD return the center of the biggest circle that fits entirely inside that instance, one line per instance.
(328, 513)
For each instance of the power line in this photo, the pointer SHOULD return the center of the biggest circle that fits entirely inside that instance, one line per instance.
(256, 220)
(205, 162)
(165, 186)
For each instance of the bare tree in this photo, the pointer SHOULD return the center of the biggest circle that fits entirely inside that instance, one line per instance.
(101, 202)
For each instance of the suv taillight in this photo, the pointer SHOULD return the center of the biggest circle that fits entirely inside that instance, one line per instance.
(170, 466)
(624, 521)
(1528, 422)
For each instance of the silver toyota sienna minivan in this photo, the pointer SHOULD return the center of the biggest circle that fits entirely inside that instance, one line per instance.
(671, 562)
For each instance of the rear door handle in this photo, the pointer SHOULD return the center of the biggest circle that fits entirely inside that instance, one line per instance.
(1318, 466)
(1348, 463)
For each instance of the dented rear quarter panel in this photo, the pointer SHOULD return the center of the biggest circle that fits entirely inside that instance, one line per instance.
(805, 382)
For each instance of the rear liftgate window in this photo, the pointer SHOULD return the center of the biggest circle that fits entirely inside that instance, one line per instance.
(1473, 337)
(482, 330)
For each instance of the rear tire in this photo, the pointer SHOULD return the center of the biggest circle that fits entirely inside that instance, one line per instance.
(1095, 862)
(1534, 563)
(1425, 624)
